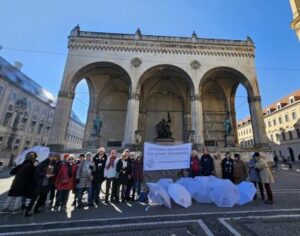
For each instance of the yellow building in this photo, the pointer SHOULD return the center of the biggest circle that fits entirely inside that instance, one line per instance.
(295, 4)
(282, 123)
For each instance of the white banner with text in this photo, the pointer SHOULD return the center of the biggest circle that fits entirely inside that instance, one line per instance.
(167, 157)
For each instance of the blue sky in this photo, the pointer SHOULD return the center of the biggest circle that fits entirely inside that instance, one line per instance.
(35, 32)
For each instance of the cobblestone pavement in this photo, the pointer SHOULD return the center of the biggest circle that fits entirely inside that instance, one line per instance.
(256, 218)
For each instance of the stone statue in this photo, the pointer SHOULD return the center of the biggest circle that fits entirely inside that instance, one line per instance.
(163, 129)
(97, 124)
(227, 127)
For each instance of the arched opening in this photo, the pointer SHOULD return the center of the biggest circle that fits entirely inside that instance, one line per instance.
(109, 87)
(218, 89)
(78, 117)
(165, 92)
(244, 126)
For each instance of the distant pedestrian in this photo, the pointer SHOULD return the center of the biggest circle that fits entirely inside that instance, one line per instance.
(265, 175)
(195, 167)
(240, 172)
(289, 161)
(276, 160)
(227, 167)
(206, 163)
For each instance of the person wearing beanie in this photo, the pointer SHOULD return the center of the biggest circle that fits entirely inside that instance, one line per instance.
(84, 178)
(100, 161)
(195, 167)
(227, 167)
(129, 187)
(110, 175)
(217, 165)
(40, 185)
(240, 172)
(123, 171)
(206, 163)
(266, 176)
(64, 182)
(137, 175)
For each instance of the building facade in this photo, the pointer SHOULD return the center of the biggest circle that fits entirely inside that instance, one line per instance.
(137, 80)
(282, 123)
(26, 114)
(295, 4)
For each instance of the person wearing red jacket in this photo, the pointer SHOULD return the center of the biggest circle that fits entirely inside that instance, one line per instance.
(65, 181)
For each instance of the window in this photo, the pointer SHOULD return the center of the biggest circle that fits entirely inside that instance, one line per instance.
(40, 128)
(271, 137)
(278, 106)
(277, 137)
(291, 134)
(298, 132)
(280, 120)
(292, 100)
(8, 115)
(13, 96)
(286, 117)
(294, 115)
(283, 136)
(280, 153)
(27, 142)
(274, 122)
(269, 123)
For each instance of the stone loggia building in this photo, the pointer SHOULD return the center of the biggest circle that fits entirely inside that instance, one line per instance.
(136, 80)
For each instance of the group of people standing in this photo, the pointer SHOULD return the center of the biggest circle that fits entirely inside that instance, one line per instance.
(257, 170)
(56, 177)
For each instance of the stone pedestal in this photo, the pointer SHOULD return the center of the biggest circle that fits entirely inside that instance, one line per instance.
(229, 141)
(164, 141)
(94, 142)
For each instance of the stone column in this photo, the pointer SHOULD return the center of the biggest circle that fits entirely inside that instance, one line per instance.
(197, 120)
(88, 128)
(132, 118)
(259, 132)
(57, 137)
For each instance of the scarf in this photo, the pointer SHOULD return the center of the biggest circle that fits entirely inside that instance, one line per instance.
(111, 162)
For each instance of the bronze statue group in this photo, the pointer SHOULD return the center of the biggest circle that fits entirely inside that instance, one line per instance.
(49, 183)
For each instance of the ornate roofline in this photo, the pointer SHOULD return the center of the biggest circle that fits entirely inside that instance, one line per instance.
(160, 44)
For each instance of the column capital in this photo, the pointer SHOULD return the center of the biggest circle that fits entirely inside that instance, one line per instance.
(254, 99)
(196, 97)
(66, 94)
(134, 96)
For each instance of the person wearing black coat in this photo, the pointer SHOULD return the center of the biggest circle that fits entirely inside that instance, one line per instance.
(130, 183)
(22, 182)
(207, 164)
(39, 188)
(122, 169)
(51, 188)
(227, 167)
(100, 161)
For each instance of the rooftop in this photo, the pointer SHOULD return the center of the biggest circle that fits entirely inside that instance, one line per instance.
(76, 32)
(17, 77)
